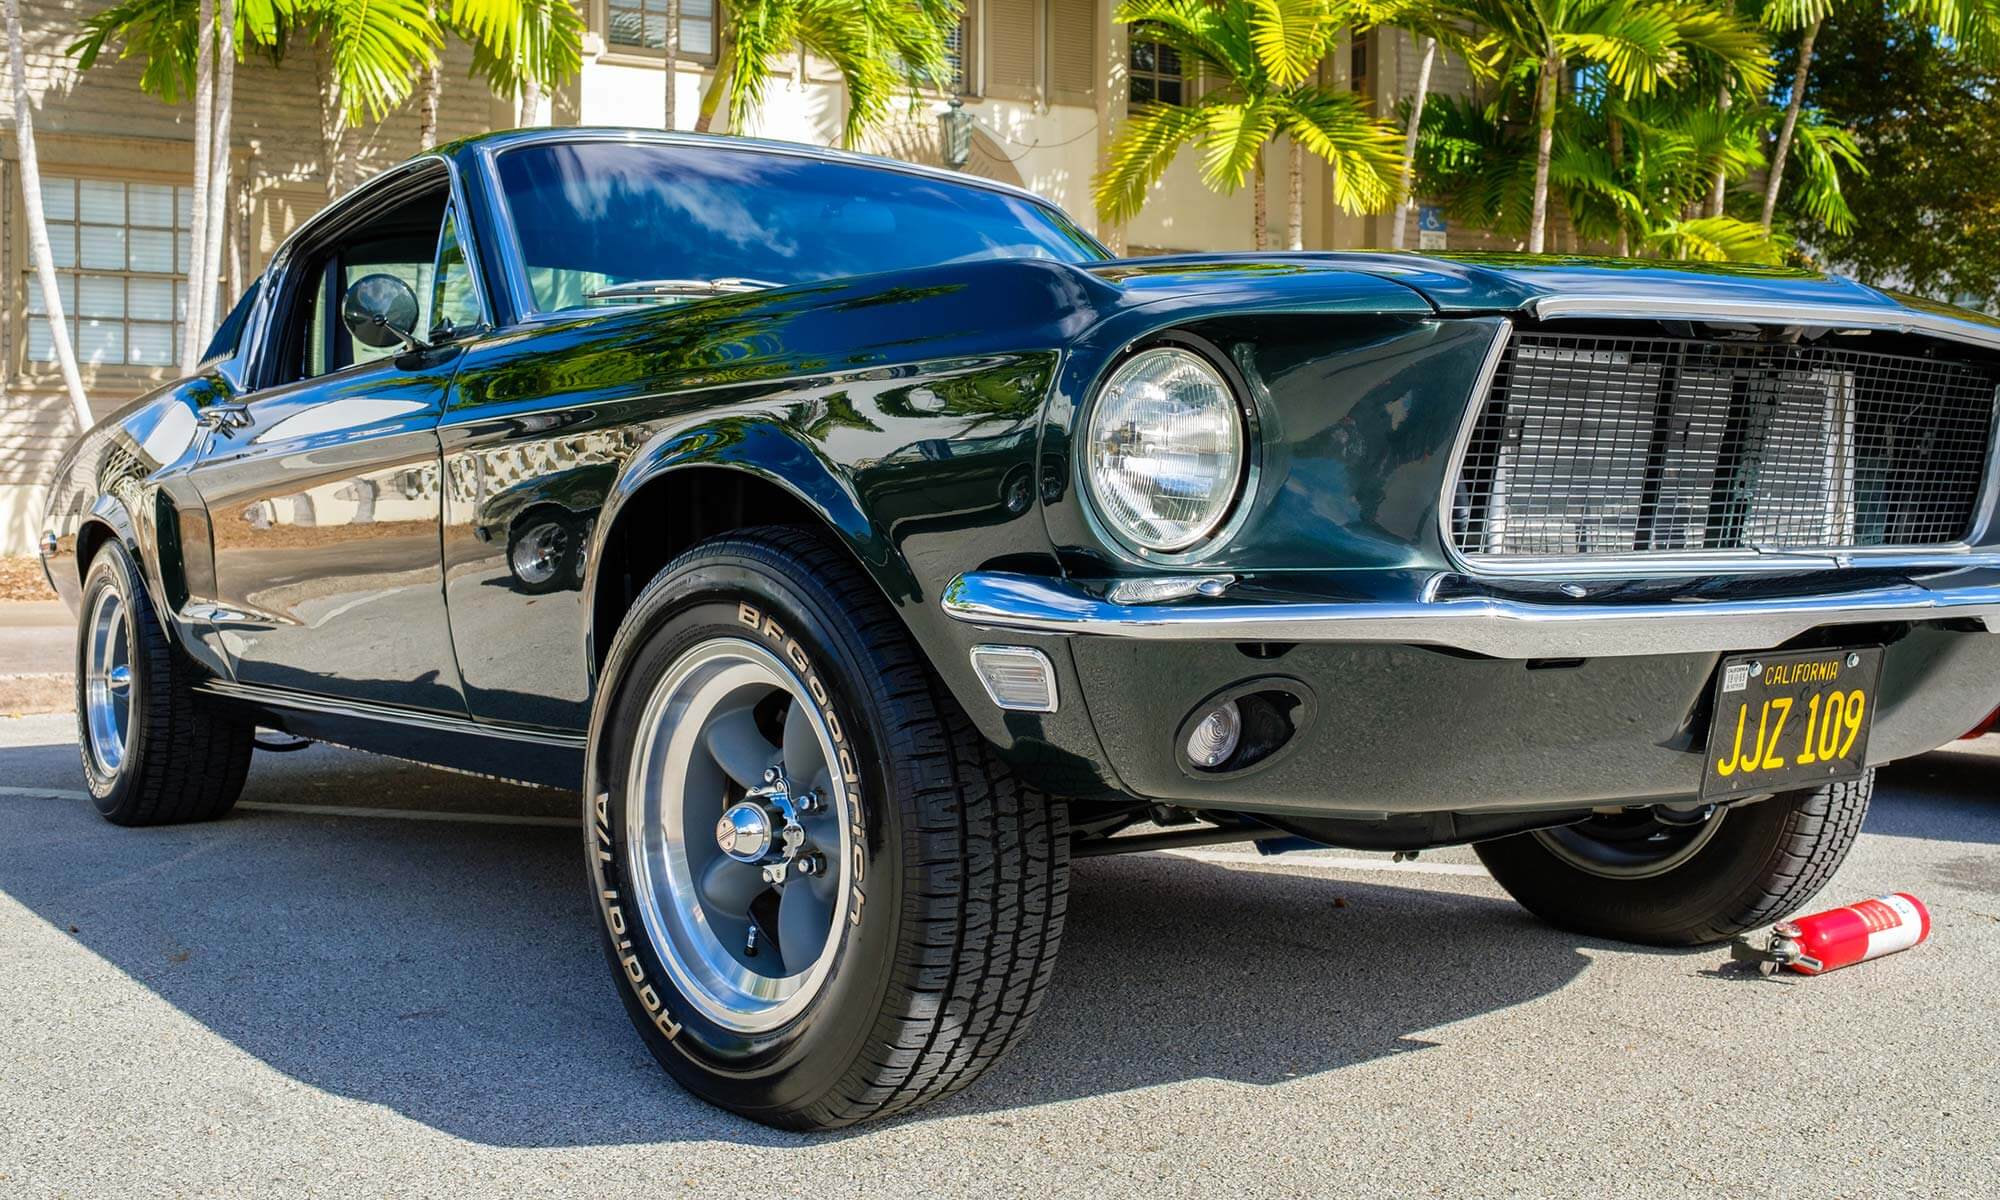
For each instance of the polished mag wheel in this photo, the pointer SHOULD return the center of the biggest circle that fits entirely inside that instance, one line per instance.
(739, 829)
(107, 680)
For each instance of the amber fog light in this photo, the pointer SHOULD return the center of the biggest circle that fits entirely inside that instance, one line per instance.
(1214, 737)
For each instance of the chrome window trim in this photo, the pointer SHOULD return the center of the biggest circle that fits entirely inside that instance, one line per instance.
(503, 214)
(1655, 565)
(277, 272)
(1492, 626)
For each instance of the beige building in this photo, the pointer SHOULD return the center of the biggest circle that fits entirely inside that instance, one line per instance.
(1046, 81)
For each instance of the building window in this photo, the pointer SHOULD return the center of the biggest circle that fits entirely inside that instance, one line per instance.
(955, 42)
(953, 80)
(1153, 74)
(121, 253)
(643, 24)
(1357, 67)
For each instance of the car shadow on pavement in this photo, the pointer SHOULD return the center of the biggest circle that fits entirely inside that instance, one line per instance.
(450, 971)
(1950, 795)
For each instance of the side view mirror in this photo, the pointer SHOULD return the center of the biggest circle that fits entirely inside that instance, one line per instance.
(381, 311)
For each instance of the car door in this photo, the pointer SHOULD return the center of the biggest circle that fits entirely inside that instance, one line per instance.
(323, 487)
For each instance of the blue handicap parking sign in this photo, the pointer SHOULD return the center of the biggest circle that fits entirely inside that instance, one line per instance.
(1430, 219)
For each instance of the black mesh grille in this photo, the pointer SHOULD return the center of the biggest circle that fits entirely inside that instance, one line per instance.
(1596, 445)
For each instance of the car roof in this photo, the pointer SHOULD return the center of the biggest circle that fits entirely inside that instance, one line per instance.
(486, 144)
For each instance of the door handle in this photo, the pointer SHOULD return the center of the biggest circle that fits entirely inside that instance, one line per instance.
(224, 417)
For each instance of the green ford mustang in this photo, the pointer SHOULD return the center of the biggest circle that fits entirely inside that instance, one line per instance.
(864, 543)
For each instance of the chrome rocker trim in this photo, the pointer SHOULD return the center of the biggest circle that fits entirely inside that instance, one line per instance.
(1496, 628)
(363, 710)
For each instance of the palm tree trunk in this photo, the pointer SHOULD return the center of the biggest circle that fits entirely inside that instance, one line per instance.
(1718, 186)
(1545, 141)
(531, 101)
(332, 123)
(1295, 197)
(672, 46)
(218, 175)
(1397, 238)
(1784, 146)
(718, 85)
(38, 228)
(204, 161)
(429, 92)
(1259, 210)
(1615, 138)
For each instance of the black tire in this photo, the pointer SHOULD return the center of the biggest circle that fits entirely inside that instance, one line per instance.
(182, 758)
(950, 936)
(1763, 863)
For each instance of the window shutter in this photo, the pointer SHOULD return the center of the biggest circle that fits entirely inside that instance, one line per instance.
(1013, 48)
(1072, 50)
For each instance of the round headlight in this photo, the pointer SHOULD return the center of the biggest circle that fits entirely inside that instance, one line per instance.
(1164, 449)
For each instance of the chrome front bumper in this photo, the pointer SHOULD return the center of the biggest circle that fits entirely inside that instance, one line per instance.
(1486, 625)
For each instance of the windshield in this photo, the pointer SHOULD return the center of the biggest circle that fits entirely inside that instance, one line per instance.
(590, 216)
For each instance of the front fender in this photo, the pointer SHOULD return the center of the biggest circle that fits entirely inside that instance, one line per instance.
(763, 447)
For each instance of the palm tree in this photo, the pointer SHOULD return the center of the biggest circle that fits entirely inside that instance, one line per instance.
(1437, 24)
(368, 51)
(1639, 45)
(1971, 29)
(523, 48)
(1479, 162)
(38, 229)
(879, 47)
(1263, 54)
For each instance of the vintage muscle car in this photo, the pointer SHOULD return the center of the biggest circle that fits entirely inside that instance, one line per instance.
(865, 542)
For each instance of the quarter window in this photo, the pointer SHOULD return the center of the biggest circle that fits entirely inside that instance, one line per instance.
(121, 253)
(643, 24)
(454, 303)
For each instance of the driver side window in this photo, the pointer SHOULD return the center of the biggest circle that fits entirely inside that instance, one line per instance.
(416, 240)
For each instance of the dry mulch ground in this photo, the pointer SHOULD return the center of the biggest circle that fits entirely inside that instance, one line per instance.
(21, 578)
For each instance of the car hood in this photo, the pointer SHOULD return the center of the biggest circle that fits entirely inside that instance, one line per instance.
(1508, 283)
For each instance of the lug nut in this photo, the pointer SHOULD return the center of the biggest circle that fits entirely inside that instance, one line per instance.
(811, 802)
(811, 864)
(772, 775)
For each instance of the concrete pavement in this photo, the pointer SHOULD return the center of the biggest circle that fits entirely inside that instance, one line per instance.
(293, 1002)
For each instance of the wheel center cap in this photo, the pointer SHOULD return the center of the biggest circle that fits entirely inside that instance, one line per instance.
(744, 832)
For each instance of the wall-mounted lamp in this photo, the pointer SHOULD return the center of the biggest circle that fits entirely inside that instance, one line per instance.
(955, 134)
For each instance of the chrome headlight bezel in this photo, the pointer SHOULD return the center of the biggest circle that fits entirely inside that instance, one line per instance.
(1221, 521)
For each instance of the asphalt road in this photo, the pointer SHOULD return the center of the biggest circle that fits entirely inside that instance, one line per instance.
(297, 1001)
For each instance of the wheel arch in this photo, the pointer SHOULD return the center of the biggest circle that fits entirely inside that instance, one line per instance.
(708, 481)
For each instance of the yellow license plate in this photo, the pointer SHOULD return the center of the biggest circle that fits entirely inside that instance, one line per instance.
(1791, 720)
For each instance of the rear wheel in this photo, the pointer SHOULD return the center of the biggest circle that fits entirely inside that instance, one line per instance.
(1638, 878)
(823, 898)
(154, 753)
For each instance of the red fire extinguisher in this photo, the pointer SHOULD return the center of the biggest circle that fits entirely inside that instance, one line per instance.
(1841, 937)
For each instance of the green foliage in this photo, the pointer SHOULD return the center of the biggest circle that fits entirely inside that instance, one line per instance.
(880, 47)
(375, 47)
(1256, 58)
(1926, 122)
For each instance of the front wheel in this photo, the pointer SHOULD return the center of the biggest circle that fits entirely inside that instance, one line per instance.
(1637, 878)
(154, 751)
(822, 897)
